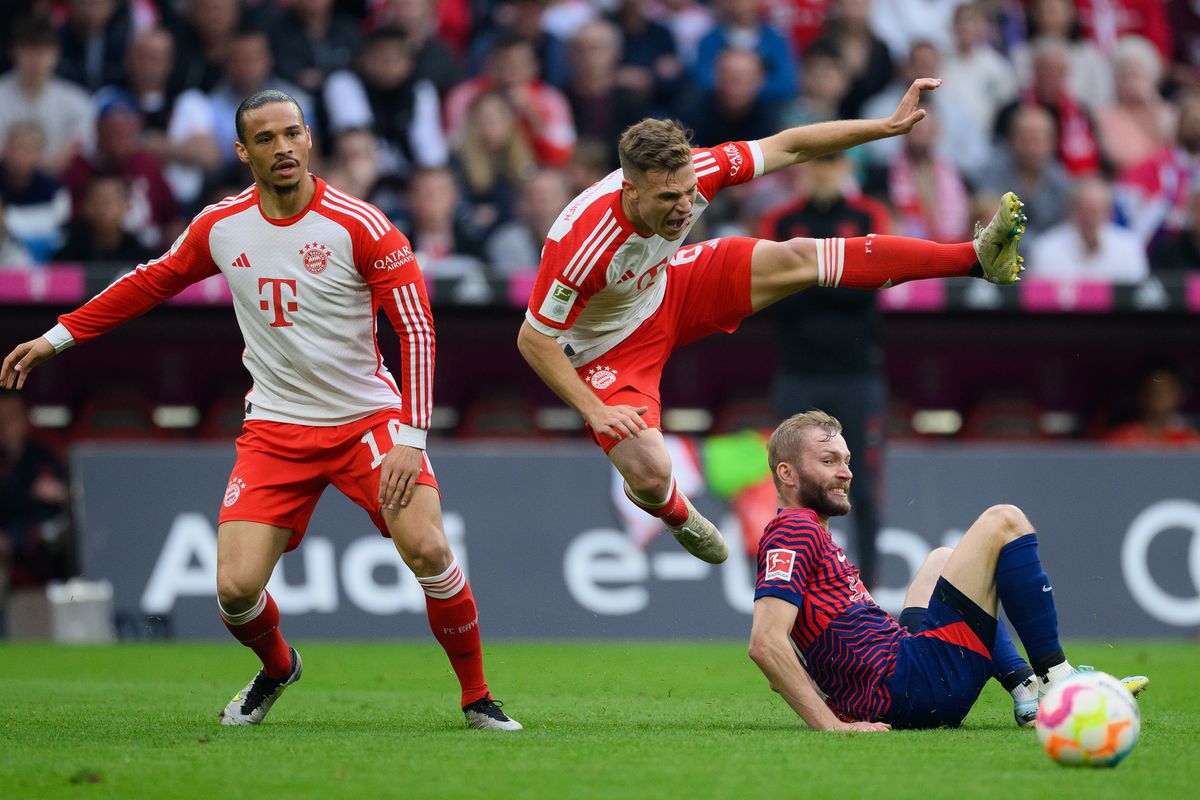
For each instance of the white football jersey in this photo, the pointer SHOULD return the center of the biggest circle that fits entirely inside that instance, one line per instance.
(599, 279)
(305, 291)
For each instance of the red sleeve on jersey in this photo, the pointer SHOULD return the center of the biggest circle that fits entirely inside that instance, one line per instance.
(724, 165)
(136, 292)
(390, 268)
(786, 554)
(575, 268)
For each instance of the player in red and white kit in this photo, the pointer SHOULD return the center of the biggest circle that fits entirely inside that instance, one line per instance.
(615, 293)
(308, 267)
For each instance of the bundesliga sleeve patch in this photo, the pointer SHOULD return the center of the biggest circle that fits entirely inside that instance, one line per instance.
(779, 565)
(558, 303)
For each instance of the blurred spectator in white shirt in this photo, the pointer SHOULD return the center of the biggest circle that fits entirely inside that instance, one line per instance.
(974, 75)
(1089, 245)
(1089, 74)
(903, 23)
(31, 91)
(961, 140)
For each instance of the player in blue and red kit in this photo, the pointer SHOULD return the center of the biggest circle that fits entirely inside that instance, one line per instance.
(839, 660)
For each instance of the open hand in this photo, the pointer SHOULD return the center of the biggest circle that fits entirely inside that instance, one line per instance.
(907, 114)
(22, 359)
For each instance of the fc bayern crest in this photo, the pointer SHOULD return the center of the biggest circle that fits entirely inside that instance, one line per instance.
(316, 257)
(233, 491)
(601, 377)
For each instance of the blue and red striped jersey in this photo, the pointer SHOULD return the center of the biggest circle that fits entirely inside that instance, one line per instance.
(847, 643)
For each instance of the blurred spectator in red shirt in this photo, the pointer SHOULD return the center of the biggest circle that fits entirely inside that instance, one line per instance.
(1106, 21)
(929, 196)
(152, 213)
(1077, 147)
(543, 113)
(1154, 195)
(1159, 421)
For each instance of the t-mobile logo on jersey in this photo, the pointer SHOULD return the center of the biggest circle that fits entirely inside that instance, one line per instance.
(275, 301)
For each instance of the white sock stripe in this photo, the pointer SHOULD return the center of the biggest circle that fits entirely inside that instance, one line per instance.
(841, 261)
(246, 616)
(445, 585)
(820, 243)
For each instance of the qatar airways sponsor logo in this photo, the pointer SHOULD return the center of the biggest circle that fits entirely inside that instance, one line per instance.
(735, 158)
(395, 259)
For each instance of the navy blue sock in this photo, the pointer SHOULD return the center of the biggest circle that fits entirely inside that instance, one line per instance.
(1011, 669)
(1028, 600)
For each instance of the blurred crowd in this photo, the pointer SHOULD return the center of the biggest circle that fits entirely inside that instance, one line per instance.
(471, 123)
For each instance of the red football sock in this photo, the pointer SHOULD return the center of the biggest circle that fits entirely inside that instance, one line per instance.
(876, 262)
(454, 621)
(258, 629)
(673, 512)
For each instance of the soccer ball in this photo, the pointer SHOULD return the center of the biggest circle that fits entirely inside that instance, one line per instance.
(1089, 720)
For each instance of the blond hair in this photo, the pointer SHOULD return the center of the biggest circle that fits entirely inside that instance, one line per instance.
(788, 438)
(654, 144)
(484, 168)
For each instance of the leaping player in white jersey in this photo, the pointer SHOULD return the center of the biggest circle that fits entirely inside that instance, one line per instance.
(308, 266)
(615, 293)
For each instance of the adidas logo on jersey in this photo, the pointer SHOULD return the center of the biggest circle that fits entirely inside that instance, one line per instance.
(241, 261)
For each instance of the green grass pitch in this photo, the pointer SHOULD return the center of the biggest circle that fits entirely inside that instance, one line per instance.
(616, 720)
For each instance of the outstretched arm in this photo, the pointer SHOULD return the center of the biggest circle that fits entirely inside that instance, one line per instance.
(547, 359)
(797, 145)
(772, 652)
(129, 296)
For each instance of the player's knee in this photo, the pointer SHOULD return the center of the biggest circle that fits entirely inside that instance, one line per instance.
(937, 558)
(1006, 521)
(650, 478)
(428, 555)
(237, 592)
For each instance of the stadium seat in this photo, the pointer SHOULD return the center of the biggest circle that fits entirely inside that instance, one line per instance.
(503, 414)
(117, 411)
(745, 413)
(1003, 419)
(225, 416)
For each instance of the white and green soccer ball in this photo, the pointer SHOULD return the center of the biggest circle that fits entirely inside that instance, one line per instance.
(1088, 720)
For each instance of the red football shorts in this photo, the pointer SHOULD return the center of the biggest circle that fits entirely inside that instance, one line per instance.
(708, 291)
(282, 469)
